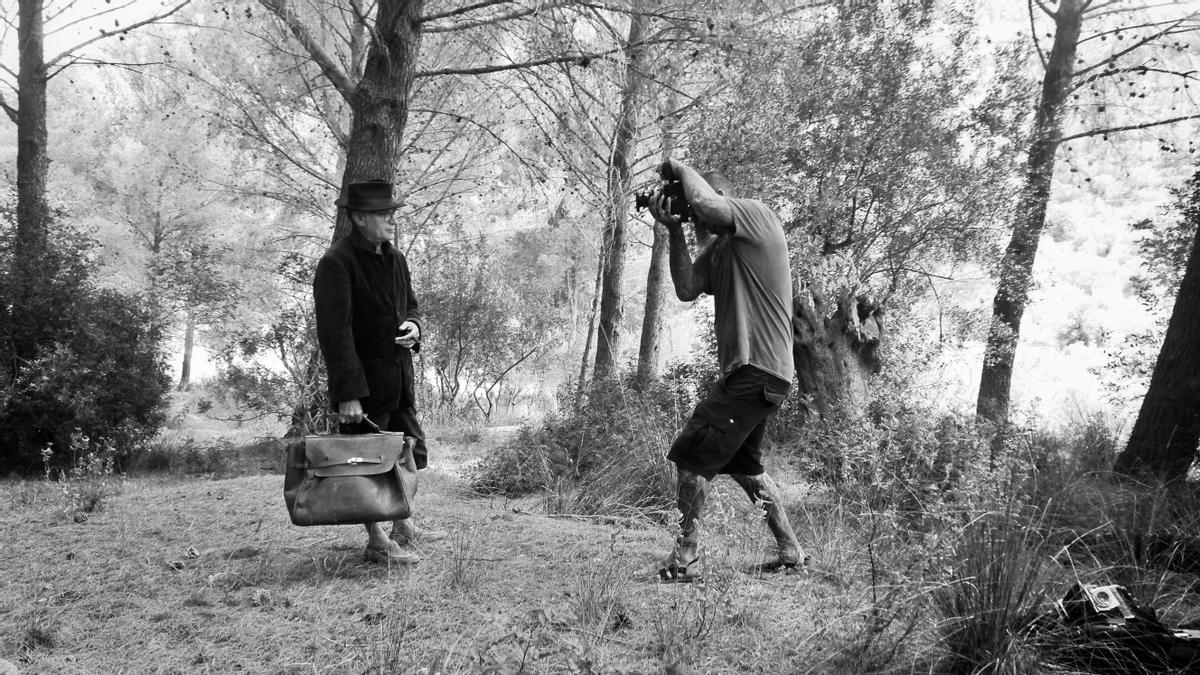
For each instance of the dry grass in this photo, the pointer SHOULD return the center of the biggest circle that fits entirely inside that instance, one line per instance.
(181, 574)
(192, 574)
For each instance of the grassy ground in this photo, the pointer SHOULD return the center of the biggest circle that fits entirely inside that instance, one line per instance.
(199, 574)
(201, 571)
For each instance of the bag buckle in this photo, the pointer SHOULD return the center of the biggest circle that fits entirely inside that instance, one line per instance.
(356, 460)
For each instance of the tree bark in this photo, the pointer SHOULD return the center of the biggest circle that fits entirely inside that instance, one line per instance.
(189, 343)
(1016, 267)
(619, 181)
(656, 298)
(380, 99)
(656, 278)
(835, 354)
(33, 165)
(1162, 444)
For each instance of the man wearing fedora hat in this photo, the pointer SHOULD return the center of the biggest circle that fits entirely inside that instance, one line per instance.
(369, 326)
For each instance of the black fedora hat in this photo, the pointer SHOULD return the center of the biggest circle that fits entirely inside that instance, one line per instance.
(369, 195)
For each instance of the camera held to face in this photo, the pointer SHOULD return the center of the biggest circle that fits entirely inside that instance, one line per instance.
(673, 191)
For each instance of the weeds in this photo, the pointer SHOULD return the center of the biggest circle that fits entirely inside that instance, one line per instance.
(682, 626)
(462, 568)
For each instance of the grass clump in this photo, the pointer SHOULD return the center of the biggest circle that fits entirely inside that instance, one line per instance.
(994, 594)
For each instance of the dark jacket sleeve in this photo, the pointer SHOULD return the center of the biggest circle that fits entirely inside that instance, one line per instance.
(335, 334)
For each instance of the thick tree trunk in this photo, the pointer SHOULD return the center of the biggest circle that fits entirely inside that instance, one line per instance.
(1163, 442)
(835, 354)
(380, 103)
(619, 182)
(33, 165)
(1016, 267)
(657, 277)
(189, 343)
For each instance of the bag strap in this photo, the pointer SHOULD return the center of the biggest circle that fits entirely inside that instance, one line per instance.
(352, 461)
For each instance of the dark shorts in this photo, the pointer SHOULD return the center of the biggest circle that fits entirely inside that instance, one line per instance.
(725, 432)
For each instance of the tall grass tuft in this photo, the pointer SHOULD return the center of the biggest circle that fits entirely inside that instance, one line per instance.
(994, 593)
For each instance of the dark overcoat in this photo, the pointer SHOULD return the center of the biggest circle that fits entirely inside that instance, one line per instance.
(361, 298)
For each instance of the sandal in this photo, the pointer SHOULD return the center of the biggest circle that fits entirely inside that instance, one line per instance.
(669, 571)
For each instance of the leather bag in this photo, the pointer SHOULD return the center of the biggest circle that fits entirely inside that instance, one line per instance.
(341, 479)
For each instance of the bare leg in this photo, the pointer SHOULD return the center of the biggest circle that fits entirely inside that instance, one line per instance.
(765, 494)
(376, 537)
(691, 495)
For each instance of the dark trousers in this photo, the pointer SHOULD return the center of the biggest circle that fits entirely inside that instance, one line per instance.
(404, 419)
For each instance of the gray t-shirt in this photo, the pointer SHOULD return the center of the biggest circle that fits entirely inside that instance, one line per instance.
(749, 276)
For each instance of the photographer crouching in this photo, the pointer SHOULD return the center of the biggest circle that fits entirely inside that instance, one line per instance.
(743, 263)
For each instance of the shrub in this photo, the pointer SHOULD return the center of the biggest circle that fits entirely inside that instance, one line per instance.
(608, 456)
(96, 364)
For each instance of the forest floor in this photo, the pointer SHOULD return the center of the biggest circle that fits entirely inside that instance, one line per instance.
(173, 572)
(178, 574)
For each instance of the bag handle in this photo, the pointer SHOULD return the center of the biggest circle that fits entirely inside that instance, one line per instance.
(406, 455)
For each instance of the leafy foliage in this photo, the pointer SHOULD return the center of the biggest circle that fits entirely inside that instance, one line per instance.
(98, 369)
(858, 130)
(482, 324)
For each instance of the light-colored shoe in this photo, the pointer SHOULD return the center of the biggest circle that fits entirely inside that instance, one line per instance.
(411, 534)
(391, 554)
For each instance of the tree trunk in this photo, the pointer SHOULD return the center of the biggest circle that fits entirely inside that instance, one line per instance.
(33, 165)
(1163, 442)
(656, 278)
(1016, 267)
(587, 345)
(656, 298)
(189, 342)
(835, 354)
(617, 212)
(380, 102)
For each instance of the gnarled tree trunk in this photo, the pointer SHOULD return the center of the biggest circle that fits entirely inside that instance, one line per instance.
(835, 353)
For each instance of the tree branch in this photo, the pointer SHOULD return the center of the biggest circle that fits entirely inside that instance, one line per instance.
(499, 18)
(464, 10)
(1033, 31)
(1187, 75)
(324, 61)
(8, 109)
(106, 34)
(581, 59)
(1129, 127)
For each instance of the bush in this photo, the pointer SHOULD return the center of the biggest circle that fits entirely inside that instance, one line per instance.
(606, 457)
(93, 363)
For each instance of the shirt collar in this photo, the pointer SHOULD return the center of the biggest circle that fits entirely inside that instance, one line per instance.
(360, 242)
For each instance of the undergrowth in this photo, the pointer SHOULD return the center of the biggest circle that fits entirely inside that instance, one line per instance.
(606, 456)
